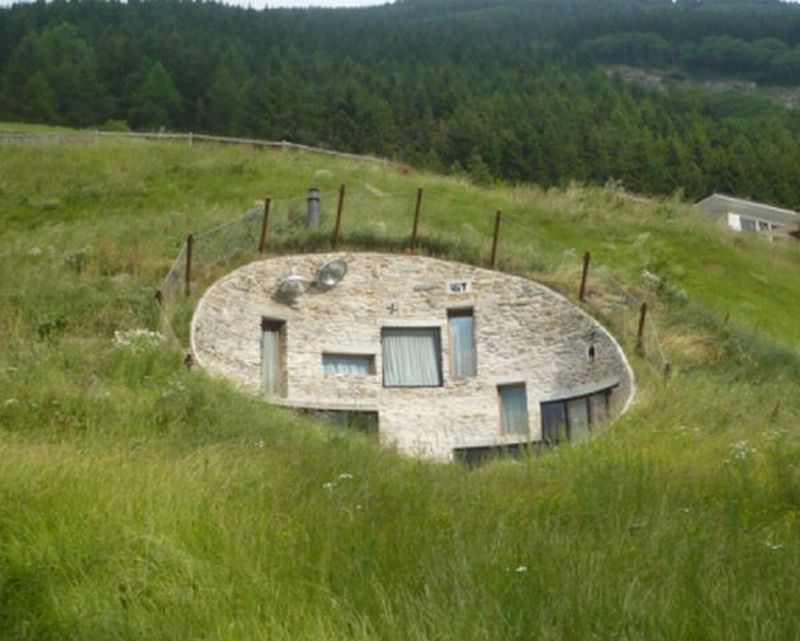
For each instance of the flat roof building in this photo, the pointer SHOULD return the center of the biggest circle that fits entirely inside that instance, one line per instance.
(748, 216)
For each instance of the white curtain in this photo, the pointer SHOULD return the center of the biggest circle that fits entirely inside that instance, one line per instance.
(462, 345)
(270, 355)
(514, 409)
(347, 364)
(411, 357)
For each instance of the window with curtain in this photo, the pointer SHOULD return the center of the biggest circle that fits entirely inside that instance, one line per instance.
(461, 323)
(358, 364)
(513, 408)
(272, 332)
(411, 356)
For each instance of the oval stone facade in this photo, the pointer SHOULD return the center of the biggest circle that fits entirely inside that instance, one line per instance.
(454, 359)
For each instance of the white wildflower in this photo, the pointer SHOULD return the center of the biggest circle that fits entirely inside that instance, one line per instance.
(260, 444)
(345, 476)
(741, 450)
(520, 569)
(10, 401)
(137, 339)
(773, 546)
(328, 486)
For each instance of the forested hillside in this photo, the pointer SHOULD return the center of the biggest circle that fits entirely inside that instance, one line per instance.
(505, 90)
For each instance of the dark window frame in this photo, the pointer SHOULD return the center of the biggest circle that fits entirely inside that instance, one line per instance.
(504, 430)
(369, 358)
(438, 353)
(564, 402)
(462, 312)
(278, 325)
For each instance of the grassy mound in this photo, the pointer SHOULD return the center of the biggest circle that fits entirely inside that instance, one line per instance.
(139, 500)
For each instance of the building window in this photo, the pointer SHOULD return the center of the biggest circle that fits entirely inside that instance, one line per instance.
(747, 224)
(573, 418)
(357, 364)
(475, 456)
(273, 347)
(411, 356)
(513, 408)
(461, 324)
(358, 420)
(554, 422)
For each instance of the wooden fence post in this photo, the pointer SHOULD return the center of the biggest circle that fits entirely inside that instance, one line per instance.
(587, 256)
(159, 297)
(493, 258)
(338, 226)
(640, 331)
(262, 243)
(188, 275)
(413, 245)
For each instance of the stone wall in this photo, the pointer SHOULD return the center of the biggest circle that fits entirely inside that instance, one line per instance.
(524, 332)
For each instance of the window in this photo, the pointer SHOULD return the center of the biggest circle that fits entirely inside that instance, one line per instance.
(573, 418)
(554, 421)
(461, 323)
(411, 356)
(747, 224)
(513, 408)
(358, 364)
(358, 420)
(272, 355)
(475, 456)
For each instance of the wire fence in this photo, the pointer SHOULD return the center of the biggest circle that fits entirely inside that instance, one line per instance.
(366, 218)
(375, 219)
(96, 136)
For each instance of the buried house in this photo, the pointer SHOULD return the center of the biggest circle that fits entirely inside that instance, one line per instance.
(452, 359)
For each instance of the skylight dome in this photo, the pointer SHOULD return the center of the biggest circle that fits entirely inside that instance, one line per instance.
(331, 272)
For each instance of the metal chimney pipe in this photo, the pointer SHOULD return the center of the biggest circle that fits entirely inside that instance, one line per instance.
(313, 209)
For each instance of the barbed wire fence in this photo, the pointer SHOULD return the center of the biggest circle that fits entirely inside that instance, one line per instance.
(366, 218)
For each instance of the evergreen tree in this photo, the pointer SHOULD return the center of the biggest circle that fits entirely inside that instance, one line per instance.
(157, 103)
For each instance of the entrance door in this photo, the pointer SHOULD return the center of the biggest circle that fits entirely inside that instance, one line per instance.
(273, 334)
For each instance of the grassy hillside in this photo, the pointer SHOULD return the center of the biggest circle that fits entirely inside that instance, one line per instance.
(139, 500)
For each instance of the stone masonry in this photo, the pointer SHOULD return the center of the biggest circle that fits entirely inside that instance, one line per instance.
(524, 333)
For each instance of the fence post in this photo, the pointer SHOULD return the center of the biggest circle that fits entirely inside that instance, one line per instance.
(190, 138)
(159, 297)
(262, 243)
(640, 331)
(587, 256)
(413, 245)
(493, 258)
(337, 227)
(188, 275)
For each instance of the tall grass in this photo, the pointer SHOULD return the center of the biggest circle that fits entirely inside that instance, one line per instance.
(140, 500)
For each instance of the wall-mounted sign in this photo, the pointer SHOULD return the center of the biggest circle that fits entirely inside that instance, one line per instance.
(459, 286)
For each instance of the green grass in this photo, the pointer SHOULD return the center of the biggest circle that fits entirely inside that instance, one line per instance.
(139, 500)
